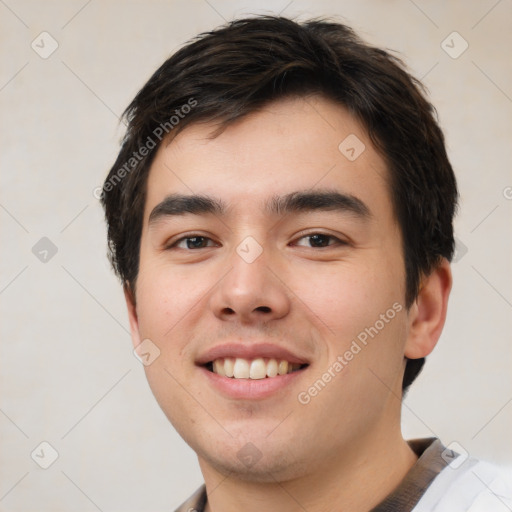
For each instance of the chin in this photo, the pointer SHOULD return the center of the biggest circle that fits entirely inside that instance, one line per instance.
(253, 462)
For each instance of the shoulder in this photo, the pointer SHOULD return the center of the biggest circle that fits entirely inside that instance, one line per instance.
(469, 485)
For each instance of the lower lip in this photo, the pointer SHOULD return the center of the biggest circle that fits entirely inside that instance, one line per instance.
(251, 389)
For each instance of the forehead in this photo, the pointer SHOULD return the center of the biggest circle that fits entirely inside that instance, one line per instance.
(288, 145)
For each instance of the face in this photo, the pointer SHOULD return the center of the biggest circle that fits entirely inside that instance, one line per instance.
(291, 259)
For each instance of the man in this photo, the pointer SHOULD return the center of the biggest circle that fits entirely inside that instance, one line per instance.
(280, 215)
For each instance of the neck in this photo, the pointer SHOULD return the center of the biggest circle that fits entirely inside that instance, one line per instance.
(357, 480)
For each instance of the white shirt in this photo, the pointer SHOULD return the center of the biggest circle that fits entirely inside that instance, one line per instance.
(468, 485)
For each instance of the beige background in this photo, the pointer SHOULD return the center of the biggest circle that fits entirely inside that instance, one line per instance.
(68, 375)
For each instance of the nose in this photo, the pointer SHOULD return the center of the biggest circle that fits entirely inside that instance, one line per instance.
(250, 292)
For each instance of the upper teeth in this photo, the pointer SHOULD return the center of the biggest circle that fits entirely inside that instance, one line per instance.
(252, 369)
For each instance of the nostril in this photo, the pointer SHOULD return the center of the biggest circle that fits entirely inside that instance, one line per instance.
(263, 309)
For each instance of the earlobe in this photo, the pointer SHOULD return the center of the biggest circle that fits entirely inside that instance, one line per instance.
(428, 313)
(132, 314)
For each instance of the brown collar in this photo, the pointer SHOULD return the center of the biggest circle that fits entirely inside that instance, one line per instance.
(417, 480)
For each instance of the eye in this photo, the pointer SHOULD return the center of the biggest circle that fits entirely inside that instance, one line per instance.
(192, 242)
(319, 240)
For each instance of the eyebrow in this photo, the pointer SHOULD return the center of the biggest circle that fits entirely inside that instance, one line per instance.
(326, 200)
(300, 201)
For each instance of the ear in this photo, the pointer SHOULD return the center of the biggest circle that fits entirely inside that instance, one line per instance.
(428, 313)
(132, 314)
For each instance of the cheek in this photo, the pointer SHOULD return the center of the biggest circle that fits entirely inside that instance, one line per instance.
(166, 304)
(360, 311)
(348, 298)
(164, 299)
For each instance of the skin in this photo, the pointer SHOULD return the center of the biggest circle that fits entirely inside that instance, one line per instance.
(314, 300)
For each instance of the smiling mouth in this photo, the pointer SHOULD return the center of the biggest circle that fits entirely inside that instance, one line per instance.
(256, 369)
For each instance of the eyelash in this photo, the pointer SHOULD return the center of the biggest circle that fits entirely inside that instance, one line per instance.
(338, 242)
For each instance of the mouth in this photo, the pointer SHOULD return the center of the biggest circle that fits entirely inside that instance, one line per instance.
(253, 369)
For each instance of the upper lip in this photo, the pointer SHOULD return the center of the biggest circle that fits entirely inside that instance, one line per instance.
(249, 351)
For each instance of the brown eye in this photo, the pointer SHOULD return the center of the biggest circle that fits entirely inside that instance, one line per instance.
(192, 242)
(319, 240)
